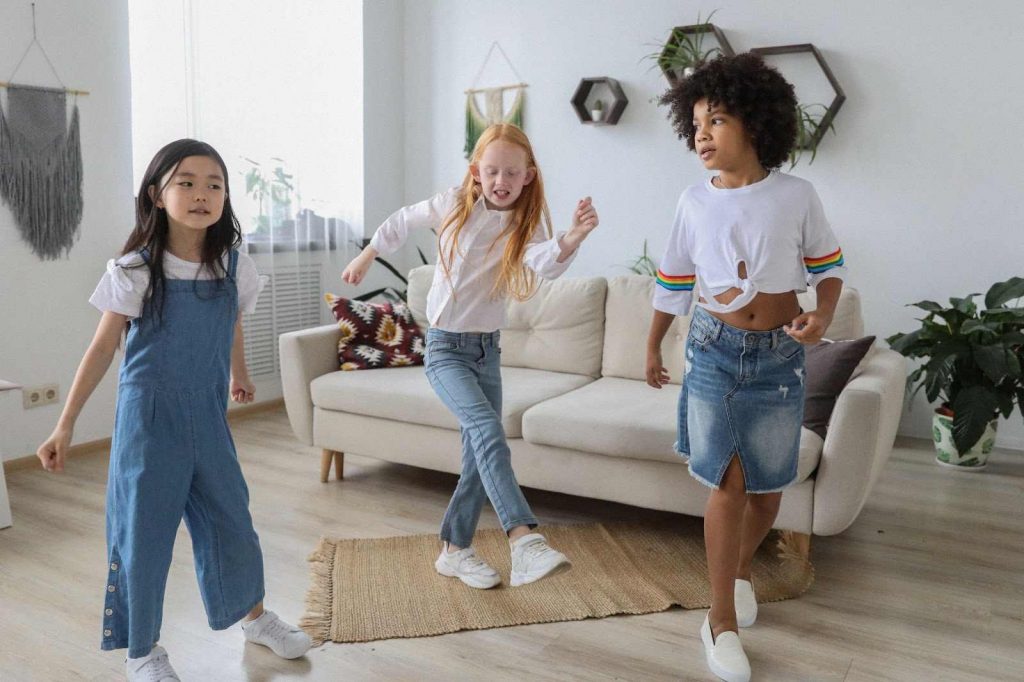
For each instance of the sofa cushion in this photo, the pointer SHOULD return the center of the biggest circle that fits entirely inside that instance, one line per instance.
(560, 329)
(404, 394)
(628, 315)
(625, 418)
(829, 367)
(375, 335)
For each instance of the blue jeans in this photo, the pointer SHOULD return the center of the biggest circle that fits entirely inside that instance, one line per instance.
(464, 370)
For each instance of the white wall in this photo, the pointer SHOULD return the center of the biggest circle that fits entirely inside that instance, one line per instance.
(921, 183)
(45, 321)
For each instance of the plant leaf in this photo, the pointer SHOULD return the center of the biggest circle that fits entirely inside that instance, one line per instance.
(1001, 292)
(997, 362)
(973, 408)
(930, 306)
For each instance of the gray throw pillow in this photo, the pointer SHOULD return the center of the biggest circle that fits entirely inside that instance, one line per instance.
(828, 368)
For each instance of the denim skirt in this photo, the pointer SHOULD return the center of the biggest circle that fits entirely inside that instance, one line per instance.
(743, 396)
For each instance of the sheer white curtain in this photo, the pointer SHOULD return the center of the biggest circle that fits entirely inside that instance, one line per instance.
(276, 88)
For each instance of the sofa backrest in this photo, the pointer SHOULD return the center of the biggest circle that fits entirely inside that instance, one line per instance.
(561, 328)
(628, 315)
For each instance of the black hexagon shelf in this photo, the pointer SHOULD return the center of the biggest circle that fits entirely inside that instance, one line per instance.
(837, 100)
(614, 111)
(673, 43)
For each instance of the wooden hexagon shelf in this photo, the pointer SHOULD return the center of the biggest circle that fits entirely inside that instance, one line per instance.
(837, 100)
(673, 43)
(614, 111)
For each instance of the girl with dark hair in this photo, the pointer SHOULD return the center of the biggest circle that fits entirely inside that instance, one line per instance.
(747, 240)
(180, 288)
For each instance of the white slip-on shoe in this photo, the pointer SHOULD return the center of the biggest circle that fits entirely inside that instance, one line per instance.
(746, 603)
(465, 565)
(725, 655)
(153, 667)
(287, 641)
(533, 559)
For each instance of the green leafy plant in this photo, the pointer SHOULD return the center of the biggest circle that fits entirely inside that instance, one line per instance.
(684, 49)
(974, 358)
(644, 264)
(807, 124)
(272, 190)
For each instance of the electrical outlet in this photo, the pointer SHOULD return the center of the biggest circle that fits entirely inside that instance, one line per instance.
(37, 396)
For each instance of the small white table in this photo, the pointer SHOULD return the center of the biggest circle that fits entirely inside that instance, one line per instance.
(5, 505)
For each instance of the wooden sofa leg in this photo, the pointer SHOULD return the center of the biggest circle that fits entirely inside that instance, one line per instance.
(339, 466)
(795, 545)
(326, 456)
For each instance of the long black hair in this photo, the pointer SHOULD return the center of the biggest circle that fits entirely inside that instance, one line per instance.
(151, 225)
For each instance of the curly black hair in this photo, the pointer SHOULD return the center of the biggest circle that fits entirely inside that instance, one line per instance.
(747, 88)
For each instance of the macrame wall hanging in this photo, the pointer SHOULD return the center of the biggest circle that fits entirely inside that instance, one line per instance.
(41, 161)
(494, 103)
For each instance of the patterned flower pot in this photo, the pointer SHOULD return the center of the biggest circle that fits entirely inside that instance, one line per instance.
(946, 453)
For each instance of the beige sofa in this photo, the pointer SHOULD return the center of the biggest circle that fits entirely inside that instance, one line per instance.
(578, 416)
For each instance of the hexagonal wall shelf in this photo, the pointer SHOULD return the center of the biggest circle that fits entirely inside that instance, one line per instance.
(582, 107)
(837, 101)
(672, 45)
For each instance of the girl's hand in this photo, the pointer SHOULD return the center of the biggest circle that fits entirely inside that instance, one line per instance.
(242, 390)
(655, 371)
(53, 452)
(357, 269)
(808, 328)
(584, 220)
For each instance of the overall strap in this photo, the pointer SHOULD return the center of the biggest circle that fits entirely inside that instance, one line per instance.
(232, 262)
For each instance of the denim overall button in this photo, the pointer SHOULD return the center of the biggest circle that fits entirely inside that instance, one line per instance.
(109, 612)
(113, 567)
(110, 588)
(106, 633)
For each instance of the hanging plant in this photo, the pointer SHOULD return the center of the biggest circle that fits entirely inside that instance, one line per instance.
(809, 132)
(684, 50)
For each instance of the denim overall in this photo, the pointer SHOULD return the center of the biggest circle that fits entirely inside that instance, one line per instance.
(171, 456)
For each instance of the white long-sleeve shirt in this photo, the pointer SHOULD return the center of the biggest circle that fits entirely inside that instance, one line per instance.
(465, 303)
(777, 227)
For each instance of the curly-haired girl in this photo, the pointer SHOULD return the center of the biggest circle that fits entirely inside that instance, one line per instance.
(748, 240)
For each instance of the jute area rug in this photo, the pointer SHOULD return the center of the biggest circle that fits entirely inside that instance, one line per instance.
(383, 588)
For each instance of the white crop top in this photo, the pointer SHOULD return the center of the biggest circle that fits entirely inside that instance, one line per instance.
(777, 227)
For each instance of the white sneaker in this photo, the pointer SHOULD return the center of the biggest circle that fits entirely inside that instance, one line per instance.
(746, 603)
(533, 559)
(725, 655)
(153, 667)
(287, 641)
(465, 565)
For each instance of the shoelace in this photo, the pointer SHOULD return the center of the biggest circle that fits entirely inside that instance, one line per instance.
(471, 563)
(276, 629)
(159, 668)
(535, 549)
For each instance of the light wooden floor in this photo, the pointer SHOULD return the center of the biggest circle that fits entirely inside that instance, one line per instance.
(927, 585)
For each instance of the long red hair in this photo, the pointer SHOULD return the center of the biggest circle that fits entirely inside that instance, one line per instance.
(514, 279)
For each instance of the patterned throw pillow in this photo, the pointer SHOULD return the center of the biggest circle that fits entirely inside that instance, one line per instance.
(375, 335)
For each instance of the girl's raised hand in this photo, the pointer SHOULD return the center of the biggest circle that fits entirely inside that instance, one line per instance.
(584, 219)
(53, 452)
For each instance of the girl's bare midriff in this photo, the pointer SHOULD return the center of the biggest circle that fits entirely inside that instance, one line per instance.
(766, 311)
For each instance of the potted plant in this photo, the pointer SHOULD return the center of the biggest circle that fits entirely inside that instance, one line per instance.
(973, 363)
(684, 51)
(597, 112)
(807, 139)
(644, 264)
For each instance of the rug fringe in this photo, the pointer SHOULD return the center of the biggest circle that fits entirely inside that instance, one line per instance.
(320, 598)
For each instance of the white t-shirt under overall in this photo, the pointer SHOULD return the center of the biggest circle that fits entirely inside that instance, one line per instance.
(777, 227)
(123, 286)
(465, 303)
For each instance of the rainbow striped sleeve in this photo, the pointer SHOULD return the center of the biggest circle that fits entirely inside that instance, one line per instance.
(676, 282)
(817, 265)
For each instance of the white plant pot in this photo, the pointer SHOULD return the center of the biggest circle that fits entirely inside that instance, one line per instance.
(946, 453)
(597, 115)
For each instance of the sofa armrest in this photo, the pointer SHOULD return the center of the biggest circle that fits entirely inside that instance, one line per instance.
(305, 355)
(859, 440)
